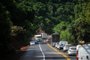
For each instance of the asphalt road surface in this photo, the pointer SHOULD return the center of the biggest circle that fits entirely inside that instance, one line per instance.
(42, 52)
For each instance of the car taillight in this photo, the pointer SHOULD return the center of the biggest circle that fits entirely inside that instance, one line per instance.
(77, 55)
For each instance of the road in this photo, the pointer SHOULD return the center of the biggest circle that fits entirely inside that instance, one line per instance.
(42, 52)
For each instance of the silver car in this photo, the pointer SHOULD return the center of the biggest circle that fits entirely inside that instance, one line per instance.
(72, 50)
(66, 47)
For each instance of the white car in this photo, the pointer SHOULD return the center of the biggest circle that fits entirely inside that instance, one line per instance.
(72, 50)
(57, 45)
(66, 47)
(32, 42)
(62, 44)
(54, 43)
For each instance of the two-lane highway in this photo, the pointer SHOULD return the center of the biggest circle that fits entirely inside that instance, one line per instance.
(41, 52)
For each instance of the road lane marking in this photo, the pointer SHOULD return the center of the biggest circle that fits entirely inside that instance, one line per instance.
(50, 52)
(58, 52)
(42, 52)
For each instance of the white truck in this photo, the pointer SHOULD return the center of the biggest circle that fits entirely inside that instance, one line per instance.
(41, 36)
(38, 37)
(44, 35)
(83, 52)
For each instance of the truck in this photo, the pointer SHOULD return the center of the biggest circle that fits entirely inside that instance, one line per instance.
(44, 35)
(55, 38)
(83, 52)
(38, 37)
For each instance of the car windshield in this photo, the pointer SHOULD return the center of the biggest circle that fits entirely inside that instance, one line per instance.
(73, 48)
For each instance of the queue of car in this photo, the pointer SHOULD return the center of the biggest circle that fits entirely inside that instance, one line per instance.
(66, 47)
(34, 42)
(80, 51)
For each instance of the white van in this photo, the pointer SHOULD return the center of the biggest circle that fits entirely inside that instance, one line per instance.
(83, 52)
(62, 44)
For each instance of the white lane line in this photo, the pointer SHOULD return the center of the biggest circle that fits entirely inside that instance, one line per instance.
(42, 52)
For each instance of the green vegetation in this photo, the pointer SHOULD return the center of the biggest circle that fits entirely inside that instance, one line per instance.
(20, 19)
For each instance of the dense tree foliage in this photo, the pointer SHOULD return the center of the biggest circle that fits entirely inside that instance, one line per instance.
(78, 20)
